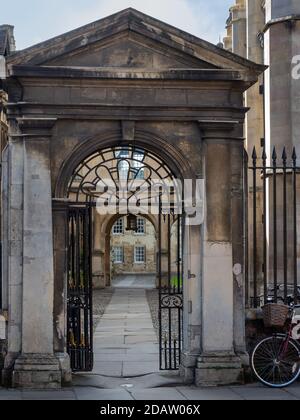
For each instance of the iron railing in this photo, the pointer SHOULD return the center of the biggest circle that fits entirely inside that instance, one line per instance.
(273, 205)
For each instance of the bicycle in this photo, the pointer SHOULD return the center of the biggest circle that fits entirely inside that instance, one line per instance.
(275, 360)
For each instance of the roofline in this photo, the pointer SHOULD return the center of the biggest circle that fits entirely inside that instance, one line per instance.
(130, 74)
(116, 17)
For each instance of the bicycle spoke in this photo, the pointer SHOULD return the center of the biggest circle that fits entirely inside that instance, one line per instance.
(273, 361)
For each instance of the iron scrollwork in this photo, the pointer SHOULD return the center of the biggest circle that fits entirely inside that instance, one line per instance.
(171, 301)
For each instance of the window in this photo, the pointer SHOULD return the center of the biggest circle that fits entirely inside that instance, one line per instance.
(118, 254)
(138, 165)
(141, 226)
(139, 254)
(118, 227)
(133, 163)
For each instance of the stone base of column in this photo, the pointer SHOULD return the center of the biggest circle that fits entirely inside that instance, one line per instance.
(66, 373)
(8, 368)
(219, 369)
(36, 371)
(187, 367)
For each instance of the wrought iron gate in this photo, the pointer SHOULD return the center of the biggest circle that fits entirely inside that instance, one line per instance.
(170, 274)
(101, 179)
(79, 311)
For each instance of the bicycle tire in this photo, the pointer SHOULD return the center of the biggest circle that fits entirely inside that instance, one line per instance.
(273, 369)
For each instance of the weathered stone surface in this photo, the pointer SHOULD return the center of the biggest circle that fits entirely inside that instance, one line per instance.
(36, 371)
(137, 73)
(218, 369)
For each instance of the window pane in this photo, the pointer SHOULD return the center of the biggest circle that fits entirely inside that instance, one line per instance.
(140, 226)
(138, 164)
(118, 254)
(118, 228)
(139, 254)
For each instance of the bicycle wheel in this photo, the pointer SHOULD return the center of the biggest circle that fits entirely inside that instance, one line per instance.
(275, 361)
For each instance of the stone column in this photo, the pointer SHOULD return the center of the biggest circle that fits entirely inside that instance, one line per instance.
(218, 362)
(13, 266)
(36, 366)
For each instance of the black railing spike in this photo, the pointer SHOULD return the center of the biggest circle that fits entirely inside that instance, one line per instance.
(274, 155)
(284, 155)
(294, 156)
(264, 155)
(254, 154)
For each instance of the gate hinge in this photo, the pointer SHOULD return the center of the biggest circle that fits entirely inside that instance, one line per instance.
(190, 275)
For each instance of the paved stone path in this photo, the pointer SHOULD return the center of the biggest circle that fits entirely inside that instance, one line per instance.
(125, 343)
(136, 281)
(180, 393)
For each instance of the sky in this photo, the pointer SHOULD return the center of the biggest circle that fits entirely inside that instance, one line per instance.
(38, 20)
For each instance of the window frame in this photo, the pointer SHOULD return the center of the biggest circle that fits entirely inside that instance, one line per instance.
(121, 219)
(120, 261)
(144, 232)
(135, 254)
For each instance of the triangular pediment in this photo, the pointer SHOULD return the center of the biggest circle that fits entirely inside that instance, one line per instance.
(128, 50)
(130, 39)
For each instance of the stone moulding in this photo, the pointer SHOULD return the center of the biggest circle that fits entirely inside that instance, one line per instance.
(40, 371)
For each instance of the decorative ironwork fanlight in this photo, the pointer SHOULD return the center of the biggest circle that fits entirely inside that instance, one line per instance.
(132, 223)
(103, 176)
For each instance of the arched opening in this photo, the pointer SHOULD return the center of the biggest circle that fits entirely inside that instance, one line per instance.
(133, 258)
(125, 230)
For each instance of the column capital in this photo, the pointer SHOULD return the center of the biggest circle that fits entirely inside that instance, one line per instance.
(223, 131)
(35, 127)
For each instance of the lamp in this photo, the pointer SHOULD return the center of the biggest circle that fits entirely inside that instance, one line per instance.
(131, 223)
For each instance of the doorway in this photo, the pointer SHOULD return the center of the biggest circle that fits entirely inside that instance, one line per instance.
(143, 320)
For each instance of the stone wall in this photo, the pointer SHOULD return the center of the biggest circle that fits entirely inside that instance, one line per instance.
(128, 241)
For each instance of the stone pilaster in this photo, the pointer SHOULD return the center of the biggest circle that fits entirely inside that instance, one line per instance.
(60, 241)
(36, 365)
(218, 362)
(12, 196)
(192, 302)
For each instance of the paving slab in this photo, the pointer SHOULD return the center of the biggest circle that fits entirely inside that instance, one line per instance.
(293, 390)
(94, 394)
(161, 394)
(138, 339)
(262, 393)
(8, 395)
(108, 368)
(131, 357)
(49, 395)
(213, 393)
(139, 368)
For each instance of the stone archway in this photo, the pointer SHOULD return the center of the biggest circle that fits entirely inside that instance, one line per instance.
(81, 189)
(173, 94)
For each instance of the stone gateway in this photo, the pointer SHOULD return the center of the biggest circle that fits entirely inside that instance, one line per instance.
(128, 79)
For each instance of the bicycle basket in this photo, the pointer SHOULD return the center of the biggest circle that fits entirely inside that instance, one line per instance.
(275, 314)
